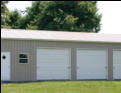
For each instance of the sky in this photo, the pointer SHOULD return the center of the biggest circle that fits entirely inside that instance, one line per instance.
(110, 10)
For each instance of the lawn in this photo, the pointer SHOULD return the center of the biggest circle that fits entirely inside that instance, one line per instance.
(63, 87)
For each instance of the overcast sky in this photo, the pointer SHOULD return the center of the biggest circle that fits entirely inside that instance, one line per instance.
(110, 10)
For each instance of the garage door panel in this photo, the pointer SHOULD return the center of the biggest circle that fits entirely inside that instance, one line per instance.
(91, 64)
(90, 76)
(53, 70)
(117, 64)
(54, 77)
(53, 64)
(51, 73)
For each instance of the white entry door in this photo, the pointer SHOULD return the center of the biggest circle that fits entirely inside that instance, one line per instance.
(5, 66)
(91, 64)
(117, 64)
(53, 64)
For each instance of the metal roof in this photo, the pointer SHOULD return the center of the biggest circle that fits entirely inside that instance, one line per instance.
(59, 36)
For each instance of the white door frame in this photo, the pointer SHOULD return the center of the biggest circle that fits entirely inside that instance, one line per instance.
(9, 65)
(69, 49)
(105, 49)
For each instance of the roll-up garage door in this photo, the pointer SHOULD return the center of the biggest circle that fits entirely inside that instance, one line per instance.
(53, 64)
(91, 64)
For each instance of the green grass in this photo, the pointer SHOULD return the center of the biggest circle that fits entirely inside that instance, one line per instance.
(63, 87)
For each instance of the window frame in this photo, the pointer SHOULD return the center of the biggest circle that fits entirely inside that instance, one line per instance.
(23, 58)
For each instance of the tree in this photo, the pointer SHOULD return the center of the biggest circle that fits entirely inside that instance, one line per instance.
(81, 16)
(3, 6)
(14, 19)
(65, 15)
(4, 12)
(33, 13)
(9, 19)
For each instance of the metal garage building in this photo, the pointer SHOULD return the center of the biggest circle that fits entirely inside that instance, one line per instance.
(31, 55)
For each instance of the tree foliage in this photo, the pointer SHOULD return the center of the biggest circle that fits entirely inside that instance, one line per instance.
(3, 6)
(14, 19)
(9, 19)
(4, 11)
(81, 16)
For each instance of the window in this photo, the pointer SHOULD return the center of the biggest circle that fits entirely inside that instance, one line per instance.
(23, 58)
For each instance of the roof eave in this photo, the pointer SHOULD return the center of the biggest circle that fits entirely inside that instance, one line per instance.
(60, 40)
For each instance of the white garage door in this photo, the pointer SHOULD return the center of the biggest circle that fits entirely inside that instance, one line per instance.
(53, 64)
(91, 64)
(117, 64)
(5, 66)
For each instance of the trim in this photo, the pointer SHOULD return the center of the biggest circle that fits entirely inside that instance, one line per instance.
(60, 40)
(92, 49)
(69, 49)
(105, 49)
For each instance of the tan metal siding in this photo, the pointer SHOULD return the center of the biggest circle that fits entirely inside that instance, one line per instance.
(27, 72)
(110, 64)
